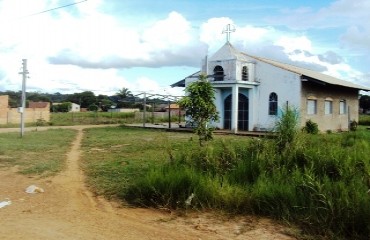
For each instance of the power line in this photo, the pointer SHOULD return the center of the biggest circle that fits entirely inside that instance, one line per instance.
(52, 9)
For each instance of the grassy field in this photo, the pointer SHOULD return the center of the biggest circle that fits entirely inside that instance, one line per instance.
(86, 118)
(40, 153)
(114, 157)
(364, 120)
(320, 183)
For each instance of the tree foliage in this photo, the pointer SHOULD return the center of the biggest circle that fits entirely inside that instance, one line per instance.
(287, 129)
(93, 107)
(200, 107)
(365, 102)
(63, 107)
(104, 102)
(84, 99)
(124, 93)
(38, 97)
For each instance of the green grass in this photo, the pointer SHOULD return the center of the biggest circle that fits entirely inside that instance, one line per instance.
(321, 183)
(113, 157)
(86, 118)
(364, 120)
(40, 153)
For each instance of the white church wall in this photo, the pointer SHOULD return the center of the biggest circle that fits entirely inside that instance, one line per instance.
(228, 67)
(190, 80)
(239, 68)
(219, 106)
(285, 84)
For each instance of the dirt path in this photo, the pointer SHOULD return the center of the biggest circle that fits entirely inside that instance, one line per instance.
(67, 210)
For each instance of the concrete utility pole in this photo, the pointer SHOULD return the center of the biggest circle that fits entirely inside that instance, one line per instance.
(144, 113)
(22, 109)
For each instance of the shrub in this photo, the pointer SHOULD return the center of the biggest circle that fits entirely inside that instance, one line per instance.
(177, 187)
(311, 127)
(287, 129)
(93, 107)
(319, 182)
(353, 125)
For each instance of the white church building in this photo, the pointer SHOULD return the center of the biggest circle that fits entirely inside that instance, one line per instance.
(251, 92)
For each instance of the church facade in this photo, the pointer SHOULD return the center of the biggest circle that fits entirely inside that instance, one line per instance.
(251, 92)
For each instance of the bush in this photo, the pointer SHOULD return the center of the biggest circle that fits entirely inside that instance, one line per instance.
(93, 107)
(311, 127)
(179, 187)
(287, 129)
(63, 107)
(353, 125)
(319, 182)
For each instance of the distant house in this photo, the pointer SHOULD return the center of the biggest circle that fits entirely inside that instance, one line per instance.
(172, 107)
(251, 92)
(160, 107)
(124, 110)
(75, 108)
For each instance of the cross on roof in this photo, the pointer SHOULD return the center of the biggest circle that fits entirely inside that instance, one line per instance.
(228, 29)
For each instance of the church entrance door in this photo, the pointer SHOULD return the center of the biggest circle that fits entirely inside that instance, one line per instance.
(227, 112)
(243, 112)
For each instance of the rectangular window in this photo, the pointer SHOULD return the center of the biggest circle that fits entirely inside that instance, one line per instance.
(328, 107)
(311, 106)
(342, 107)
(273, 108)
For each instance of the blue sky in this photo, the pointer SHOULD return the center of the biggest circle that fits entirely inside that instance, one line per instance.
(103, 46)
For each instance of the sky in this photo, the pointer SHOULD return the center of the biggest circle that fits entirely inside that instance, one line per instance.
(144, 45)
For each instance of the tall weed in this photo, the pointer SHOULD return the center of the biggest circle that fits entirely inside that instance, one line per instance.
(319, 182)
(287, 129)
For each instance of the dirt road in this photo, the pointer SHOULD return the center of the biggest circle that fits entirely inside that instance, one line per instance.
(68, 210)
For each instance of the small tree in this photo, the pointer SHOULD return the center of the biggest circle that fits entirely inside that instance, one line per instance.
(200, 107)
(63, 107)
(124, 93)
(311, 127)
(287, 129)
(93, 108)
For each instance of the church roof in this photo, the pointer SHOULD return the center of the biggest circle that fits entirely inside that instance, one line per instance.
(311, 74)
(181, 83)
(228, 52)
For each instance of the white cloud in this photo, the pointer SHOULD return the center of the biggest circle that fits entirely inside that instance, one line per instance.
(211, 32)
(292, 43)
(145, 84)
(84, 44)
(357, 38)
(83, 49)
(250, 34)
(172, 32)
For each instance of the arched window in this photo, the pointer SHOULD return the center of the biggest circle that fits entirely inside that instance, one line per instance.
(245, 75)
(273, 104)
(218, 73)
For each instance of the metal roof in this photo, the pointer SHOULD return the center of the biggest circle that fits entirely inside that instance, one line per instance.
(229, 52)
(181, 83)
(310, 73)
